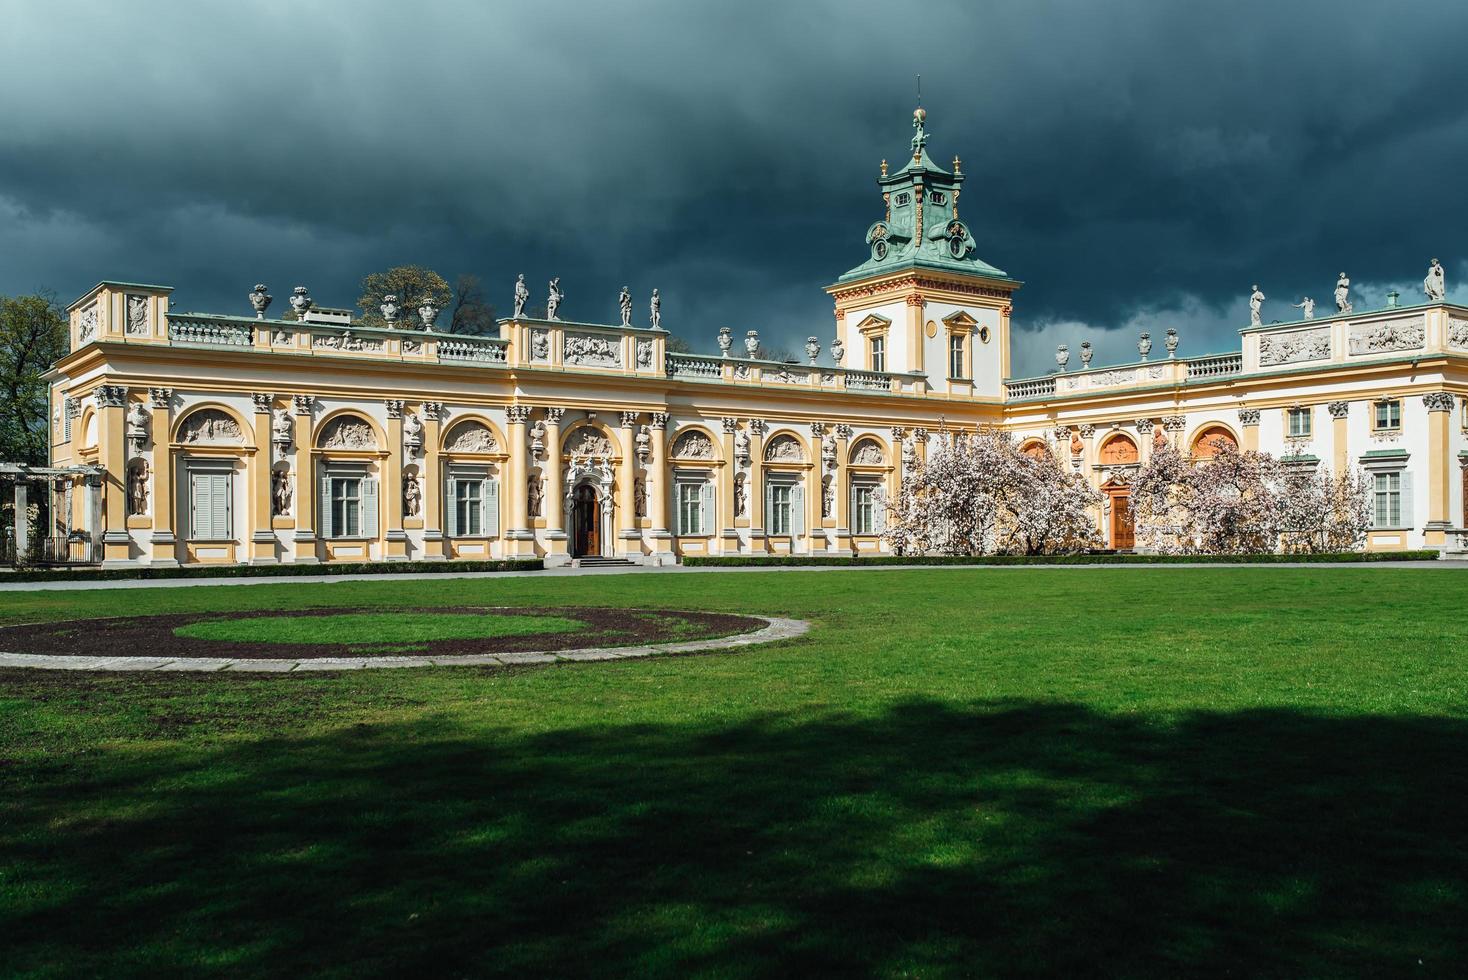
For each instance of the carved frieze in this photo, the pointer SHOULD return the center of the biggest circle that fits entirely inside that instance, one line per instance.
(210, 427)
(784, 449)
(592, 349)
(868, 453)
(471, 437)
(1294, 346)
(644, 353)
(1458, 333)
(1393, 335)
(540, 345)
(693, 445)
(346, 342)
(348, 432)
(86, 327)
(137, 316)
(588, 441)
(1107, 378)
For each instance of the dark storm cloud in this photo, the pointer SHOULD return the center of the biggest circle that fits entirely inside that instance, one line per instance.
(1138, 164)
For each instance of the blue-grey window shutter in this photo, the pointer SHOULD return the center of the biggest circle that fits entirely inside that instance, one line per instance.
(450, 508)
(797, 510)
(199, 506)
(1407, 509)
(369, 508)
(490, 493)
(325, 519)
(221, 517)
(707, 499)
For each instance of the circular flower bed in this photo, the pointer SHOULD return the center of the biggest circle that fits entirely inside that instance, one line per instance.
(420, 631)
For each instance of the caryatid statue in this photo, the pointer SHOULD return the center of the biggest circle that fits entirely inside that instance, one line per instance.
(1343, 294)
(522, 296)
(1435, 286)
(1256, 303)
(657, 311)
(1307, 305)
(624, 303)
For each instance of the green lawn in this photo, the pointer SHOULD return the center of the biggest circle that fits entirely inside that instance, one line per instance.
(400, 627)
(1129, 771)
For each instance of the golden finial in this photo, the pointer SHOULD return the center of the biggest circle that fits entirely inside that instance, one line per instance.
(957, 165)
(884, 168)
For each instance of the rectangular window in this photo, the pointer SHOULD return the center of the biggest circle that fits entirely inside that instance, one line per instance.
(864, 509)
(879, 353)
(468, 508)
(209, 506)
(1299, 423)
(1387, 500)
(779, 517)
(955, 356)
(690, 508)
(346, 506)
(1387, 415)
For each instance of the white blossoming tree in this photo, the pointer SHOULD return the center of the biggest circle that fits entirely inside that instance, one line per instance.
(978, 494)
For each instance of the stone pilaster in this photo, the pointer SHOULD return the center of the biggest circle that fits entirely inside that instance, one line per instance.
(1249, 419)
(815, 533)
(659, 476)
(1145, 429)
(1174, 425)
(1340, 451)
(729, 535)
(162, 543)
(520, 538)
(631, 533)
(552, 473)
(112, 455)
(756, 484)
(1439, 405)
(899, 454)
(304, 538)
(262, 534)
(390, 502)
(843, 490)
(432, 474)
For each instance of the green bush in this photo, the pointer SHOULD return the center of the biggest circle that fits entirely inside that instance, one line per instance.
(1095, 558)
(258, 571)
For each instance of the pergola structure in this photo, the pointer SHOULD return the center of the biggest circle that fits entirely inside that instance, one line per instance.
(67, 545)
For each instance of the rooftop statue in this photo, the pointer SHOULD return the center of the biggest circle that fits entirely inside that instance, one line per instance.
(624, 303)
(1435, 286)
(553, 301)
(1256, 303)
(657, 311)
(1343, 294)
(522, 296)
(1307, 305)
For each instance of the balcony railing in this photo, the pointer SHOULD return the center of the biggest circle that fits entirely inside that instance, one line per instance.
(1035, 388)
(1215, 366)
(484, 350)
(694, 366)
(192, 330)
(868, 381)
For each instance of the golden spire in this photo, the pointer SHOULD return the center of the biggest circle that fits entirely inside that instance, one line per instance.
(884, 168)
(957, 165)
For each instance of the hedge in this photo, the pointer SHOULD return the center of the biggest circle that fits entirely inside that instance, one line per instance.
(259, 571)
(1099, 558)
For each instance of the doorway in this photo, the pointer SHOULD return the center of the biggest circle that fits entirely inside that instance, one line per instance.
(585, 522)
(1123, 532)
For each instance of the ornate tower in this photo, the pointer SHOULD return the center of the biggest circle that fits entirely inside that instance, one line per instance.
(923, 301)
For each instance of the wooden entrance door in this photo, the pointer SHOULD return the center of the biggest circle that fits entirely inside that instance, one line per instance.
(1123, 534)
(585, 522)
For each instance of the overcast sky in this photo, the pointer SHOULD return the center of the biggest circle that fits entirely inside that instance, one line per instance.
(1138, 163)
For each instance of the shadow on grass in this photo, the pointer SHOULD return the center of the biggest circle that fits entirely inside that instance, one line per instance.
(1010, 838)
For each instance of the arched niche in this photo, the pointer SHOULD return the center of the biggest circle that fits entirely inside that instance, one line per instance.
(1208, 440)
(210, 426)
(868, 451)
(471, 436)
(1119, 449)
(785, 447)
(347, 431)
(695, 444)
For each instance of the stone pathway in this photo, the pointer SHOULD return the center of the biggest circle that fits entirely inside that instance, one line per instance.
(775, 629)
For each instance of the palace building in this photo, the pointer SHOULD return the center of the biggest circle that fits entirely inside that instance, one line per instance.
(191, 438)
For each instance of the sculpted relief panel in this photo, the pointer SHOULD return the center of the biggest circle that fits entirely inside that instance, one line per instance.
(211, 427)
(868, 453)
(589, 441)
(1380, 338)
(471, 437)
(1295, 346)
(592, 349)
(693, 445)
(1458, 333)
(348, 432)
(784, 449)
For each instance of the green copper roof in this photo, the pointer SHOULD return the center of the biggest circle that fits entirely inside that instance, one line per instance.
(939, 239)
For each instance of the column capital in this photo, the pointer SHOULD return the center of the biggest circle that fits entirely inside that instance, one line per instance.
(111, 396)
(518, 414)
(1438, 401)
(1248, 416)
(394, 407)
(731, 424)
(818, 429)
(758, 426)
(554, 415)
(899, 433)
(1174, 423)
(843, 431)
(659, 420)
(263, 401)
(1144, 427)
(629, 420)
(303, 404)
(1087, 430)
(920, 434)
(158, 397)
(1061, 433)
(433, 411)
(1339, 410)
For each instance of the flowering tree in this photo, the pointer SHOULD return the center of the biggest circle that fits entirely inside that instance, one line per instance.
(978, 494)
(1245, 502)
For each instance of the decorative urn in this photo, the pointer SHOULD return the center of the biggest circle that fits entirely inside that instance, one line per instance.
(300, 302)
(838, 350)
(260, 300)
(812, 349)
(1171, 342)
(1144, 344)
(751, 342)
(1062, 356)
(389, 308)
(1086, 354)
(428, 312)
(726, 340)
